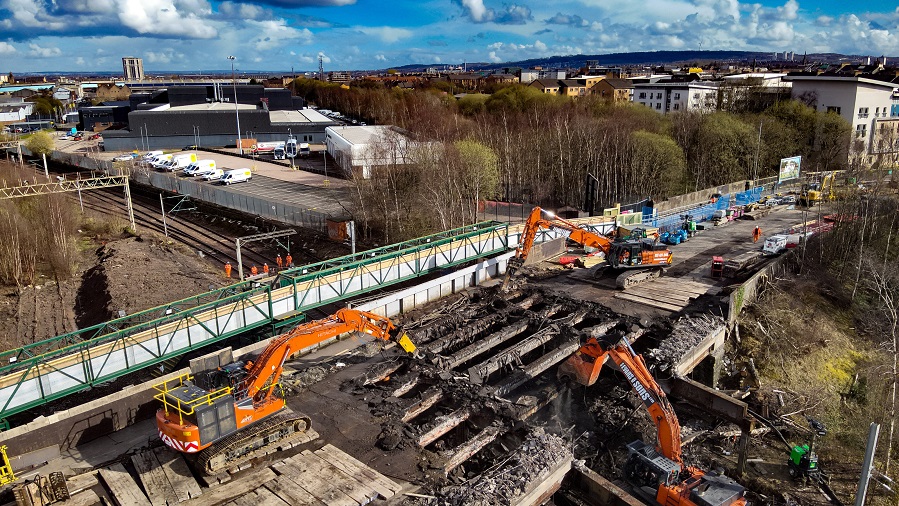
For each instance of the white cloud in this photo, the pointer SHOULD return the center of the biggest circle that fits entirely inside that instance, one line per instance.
(276, 33)
(43, 52)
(380, 57)
(7, 48)
(167, 55)
(493, 58)
(387, 34)
(476, 10)
(162, 17)
(80, 61)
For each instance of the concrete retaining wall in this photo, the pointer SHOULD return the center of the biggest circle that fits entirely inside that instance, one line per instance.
(749, 291)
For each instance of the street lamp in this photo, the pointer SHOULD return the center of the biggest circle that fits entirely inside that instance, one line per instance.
(236, 114)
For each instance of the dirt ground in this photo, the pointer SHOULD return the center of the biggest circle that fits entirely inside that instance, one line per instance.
(124, 273)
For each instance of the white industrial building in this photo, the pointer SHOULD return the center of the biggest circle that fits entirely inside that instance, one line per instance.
(869, 104)
(361, 148)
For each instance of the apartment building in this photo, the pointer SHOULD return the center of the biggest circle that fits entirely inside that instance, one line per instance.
(868, 102)
(669, 96)
(133, 68)
(614, 90)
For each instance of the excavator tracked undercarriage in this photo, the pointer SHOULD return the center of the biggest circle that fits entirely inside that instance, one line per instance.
(237, 412)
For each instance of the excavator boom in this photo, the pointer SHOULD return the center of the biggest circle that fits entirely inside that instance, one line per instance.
(658, 474)
(630, 254)
(210, 420)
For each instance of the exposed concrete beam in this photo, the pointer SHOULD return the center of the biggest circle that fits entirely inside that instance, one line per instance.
(479, 373)
(536, 367)
(407, 386)
(446, 424)
(709, 399)
(428, 399)
(473, 350)
(468, 449)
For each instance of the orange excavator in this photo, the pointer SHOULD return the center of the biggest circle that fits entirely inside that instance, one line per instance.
(642, 258)
(656, 473)
(234, 413)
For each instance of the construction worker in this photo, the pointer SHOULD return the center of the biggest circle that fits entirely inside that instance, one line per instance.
(228, 270)
(265, 268)
(756, 234)
(279, 261)
(289, 260)
(254, 271)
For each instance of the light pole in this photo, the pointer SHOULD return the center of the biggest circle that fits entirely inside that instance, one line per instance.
(236, 114)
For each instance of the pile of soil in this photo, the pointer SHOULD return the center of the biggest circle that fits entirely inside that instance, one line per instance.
(128, 274)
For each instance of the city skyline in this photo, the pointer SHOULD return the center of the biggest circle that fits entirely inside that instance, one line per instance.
(193, 35)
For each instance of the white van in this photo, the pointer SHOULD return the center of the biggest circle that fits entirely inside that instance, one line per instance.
(237, 176)
(200, 168)
(215, 175)
(151, 154)
(161, 160)
(180, 161)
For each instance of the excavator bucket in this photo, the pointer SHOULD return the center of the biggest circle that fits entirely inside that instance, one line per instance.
(406, 343)
(582, 367)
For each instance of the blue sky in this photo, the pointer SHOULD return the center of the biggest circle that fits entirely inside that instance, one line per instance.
(194, 35)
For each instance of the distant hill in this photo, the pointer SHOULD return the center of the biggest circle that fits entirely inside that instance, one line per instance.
(648, 58)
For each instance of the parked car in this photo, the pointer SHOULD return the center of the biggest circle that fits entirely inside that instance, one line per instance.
(189, 148)
(124, 158)
(78, 137)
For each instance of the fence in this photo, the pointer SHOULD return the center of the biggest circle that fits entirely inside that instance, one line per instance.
(218, 195)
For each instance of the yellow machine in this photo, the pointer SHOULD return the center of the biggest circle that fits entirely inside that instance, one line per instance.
(815, 193)
(6, 473)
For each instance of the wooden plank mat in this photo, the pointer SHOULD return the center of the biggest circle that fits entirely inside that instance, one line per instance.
(359, 491)
(121, 486)
(81, 482)
(661, 293)
(648, 302)
(259, 497)
(386, 487)
(83, 498)
(290, 493)
(153, 478)
(234, 488)
(299, 473)
(175, 468)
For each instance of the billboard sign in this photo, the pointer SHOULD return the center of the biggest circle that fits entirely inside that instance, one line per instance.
(789, 168)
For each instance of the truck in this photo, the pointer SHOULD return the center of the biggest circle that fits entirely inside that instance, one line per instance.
(657, 473)
(237, 412)
(304, 149)
(278, 153)
(266, 148)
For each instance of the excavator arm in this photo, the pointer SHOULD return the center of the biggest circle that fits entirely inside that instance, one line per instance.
(535, 222)
(585, 365)
(266, 370)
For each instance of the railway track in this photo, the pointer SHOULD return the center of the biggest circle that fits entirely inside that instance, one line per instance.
(217, 247)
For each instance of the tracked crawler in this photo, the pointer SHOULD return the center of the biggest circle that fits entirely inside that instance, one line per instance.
(646, 256)
(237, 412)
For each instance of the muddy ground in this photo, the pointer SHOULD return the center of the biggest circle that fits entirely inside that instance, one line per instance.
(124, 273)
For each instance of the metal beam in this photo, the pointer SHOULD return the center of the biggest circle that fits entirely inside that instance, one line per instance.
(63, 186)
(240, 241)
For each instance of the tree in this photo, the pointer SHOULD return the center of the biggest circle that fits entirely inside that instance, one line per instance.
(40, 143)
(473, 104)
